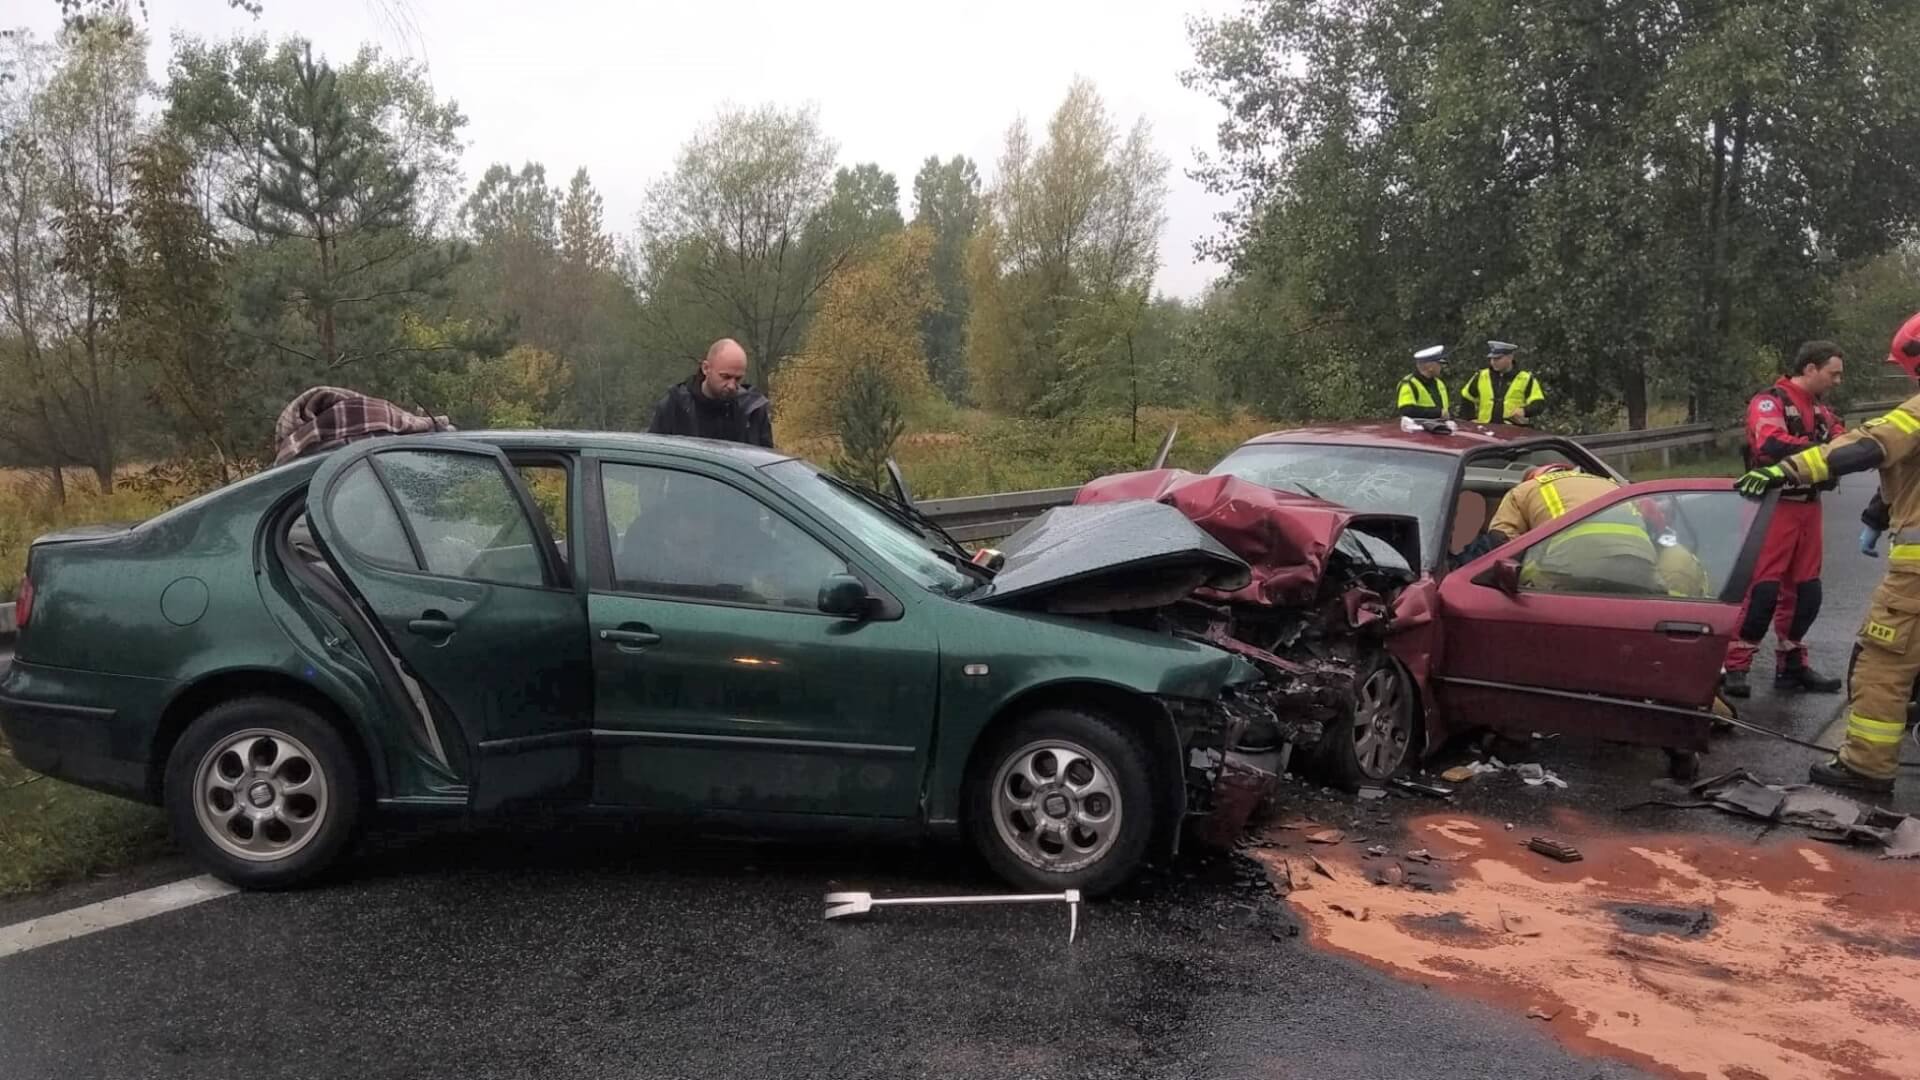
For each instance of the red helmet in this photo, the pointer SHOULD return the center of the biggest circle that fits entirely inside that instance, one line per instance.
(1905, 349)
(1539, 471)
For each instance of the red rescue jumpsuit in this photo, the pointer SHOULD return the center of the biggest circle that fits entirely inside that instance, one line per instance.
(1783, 420)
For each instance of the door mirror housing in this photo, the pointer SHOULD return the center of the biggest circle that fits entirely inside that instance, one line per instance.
(846, 596)
(1504, 575)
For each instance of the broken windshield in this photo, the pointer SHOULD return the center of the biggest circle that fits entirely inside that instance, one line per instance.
(1364, 478)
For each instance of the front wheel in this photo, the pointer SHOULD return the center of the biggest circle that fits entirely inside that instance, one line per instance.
(1062, 799)
(263, 792)
(1373, 738)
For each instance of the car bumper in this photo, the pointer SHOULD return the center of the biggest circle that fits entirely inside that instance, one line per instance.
(63, 723)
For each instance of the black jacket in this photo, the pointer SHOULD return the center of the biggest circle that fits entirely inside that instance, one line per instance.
(747, 417)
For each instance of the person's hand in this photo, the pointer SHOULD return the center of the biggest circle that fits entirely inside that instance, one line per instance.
(1517, 416)
(1758, 482)
(1870, 536)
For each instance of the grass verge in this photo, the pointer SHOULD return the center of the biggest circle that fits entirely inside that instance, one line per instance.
(51, 832)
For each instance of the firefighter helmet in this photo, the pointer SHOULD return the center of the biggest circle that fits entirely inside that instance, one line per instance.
(1905, 349)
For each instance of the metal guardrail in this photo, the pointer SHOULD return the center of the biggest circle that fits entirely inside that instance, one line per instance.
(988, 517)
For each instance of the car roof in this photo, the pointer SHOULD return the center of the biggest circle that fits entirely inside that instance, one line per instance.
(709, 449)
(1465, 438)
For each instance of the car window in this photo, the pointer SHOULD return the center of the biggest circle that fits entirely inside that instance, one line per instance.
(683, 535)
(1365, 478)
(465, 516)
(1682, 545)
(905, 549)
(364, 515)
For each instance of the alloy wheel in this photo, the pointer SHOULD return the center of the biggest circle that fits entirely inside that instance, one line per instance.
(1056, 805)
(260, 794)
(1382, 723)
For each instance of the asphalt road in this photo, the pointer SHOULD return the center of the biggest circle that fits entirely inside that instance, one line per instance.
(589, 949)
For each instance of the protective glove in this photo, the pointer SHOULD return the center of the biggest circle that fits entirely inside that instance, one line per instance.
(1758, 482)
(1870, 536)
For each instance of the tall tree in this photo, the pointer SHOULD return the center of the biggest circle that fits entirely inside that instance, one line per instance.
(947, 202)
(173, 306)
(336, 178)
(723, 236)
(65, 150)
(1077, 222)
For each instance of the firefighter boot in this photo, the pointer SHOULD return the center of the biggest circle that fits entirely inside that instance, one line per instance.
(1734, 684)
(1794, 674)
(1836, 774)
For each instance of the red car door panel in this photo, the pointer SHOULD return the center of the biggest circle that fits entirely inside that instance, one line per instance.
(1640, 664)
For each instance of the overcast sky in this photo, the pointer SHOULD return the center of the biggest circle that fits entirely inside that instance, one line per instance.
(618, 85)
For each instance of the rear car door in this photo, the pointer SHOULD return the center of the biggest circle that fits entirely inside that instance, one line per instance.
(720, 683)
(1614, 651)
(441, 543)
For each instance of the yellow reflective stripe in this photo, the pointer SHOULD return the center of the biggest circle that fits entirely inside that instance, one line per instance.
(1555, 504)
(1815, 461)
(1903, 420)
(1904, 551)
(1606, 528)
(1879, 732)
(1412, 393)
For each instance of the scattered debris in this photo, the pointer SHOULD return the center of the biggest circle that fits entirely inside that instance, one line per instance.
(1538, 1013)
(1830, 817)
(1368, 794)
(1459, 774)
(1238, 790)
(1518, 925)
(1431, 791)
(1655, 919)
(1392, 875)
(1509, 826)
(1321, 868)
(1420, 855)
(1360, 916)
(1554, 849)
(1326, 836)
(1377, 850)
(1298, 824)
(1535, 775)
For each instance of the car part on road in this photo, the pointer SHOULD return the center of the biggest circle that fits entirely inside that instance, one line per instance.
(1554, 849)
(263, 791)
(843, 904)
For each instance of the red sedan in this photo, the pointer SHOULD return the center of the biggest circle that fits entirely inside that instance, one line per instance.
(1438, 648)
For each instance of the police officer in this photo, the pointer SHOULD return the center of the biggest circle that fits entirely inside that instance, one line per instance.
(1501, 392)
(1889, 658)
(1423, 395)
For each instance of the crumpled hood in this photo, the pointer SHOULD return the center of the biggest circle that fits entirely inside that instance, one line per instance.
(1116, 556)
(1285, 539)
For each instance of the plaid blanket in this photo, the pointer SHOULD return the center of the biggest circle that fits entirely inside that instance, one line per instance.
(324, 417)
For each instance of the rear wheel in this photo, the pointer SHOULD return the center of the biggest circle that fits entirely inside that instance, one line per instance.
(1373, 739)
(263, 792)
(1062, 799)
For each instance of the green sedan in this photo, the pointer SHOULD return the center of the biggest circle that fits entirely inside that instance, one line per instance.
(670, 627)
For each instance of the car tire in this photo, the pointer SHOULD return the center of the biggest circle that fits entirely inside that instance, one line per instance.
(1373, 739)
(1063, 799)
(263, 792)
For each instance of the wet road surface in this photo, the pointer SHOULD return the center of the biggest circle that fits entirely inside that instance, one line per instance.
(589, 948)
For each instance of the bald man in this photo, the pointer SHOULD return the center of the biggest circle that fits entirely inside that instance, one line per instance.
(717, 402)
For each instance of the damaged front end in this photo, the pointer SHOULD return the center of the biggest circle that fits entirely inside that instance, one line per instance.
(1302, 591)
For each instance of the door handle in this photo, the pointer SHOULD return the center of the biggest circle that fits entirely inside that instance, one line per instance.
(433, 624)
(1683, 629)
(631, 637)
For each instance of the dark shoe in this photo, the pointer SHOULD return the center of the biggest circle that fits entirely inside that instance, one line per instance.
(1802, 677)
(1834, 774)
(1734, 684)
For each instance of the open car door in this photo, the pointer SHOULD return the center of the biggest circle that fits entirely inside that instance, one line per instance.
(1621, 639)
(439, 541)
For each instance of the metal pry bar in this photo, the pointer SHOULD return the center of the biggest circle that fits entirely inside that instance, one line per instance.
(843, 904)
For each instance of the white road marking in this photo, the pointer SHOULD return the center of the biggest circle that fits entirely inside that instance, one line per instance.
(107, 914)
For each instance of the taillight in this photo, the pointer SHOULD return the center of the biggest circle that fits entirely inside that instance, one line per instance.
(23, 603)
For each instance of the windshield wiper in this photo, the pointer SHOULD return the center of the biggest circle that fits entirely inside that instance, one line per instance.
(913, 519)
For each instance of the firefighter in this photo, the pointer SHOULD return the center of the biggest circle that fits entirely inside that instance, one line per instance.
(1889, 657)
(1593, 556)
(1783, 419)
(1423, 395)
(1501, 392)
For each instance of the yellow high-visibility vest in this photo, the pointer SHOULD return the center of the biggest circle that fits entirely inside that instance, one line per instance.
(1522, 392)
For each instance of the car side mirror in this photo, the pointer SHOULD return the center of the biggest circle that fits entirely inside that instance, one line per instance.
(845, 596)
(1504, 575)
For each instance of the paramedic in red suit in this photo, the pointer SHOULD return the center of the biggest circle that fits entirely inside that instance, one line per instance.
(1782, 420)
